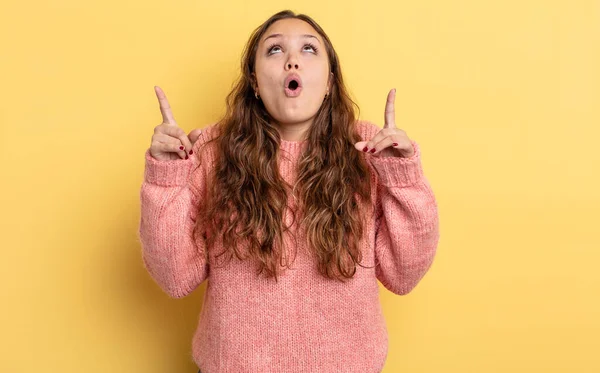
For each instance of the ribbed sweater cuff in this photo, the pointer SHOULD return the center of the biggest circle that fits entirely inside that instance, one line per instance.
(174, 172)
(399, 171)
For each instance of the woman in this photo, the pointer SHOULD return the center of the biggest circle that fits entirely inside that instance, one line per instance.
(292, 210)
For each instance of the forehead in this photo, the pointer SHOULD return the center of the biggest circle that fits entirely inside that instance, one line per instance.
(291, 28)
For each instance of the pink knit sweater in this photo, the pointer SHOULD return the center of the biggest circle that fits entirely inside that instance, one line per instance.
(305, 322)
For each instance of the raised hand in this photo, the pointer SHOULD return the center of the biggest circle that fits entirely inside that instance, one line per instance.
(170, 142)
(390, 141)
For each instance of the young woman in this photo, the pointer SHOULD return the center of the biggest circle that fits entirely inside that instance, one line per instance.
(292, 209)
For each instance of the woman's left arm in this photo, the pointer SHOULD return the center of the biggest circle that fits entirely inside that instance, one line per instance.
(406, 224)
(406, 213)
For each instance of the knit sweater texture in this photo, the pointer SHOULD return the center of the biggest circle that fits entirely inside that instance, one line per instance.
(305, 322)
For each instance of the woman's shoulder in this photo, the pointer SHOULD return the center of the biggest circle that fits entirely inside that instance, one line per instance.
(207, 133)
(206, 139)
(366, 129)
(206, 145)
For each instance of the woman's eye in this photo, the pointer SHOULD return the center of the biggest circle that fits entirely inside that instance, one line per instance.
(276, 48)
(273, 48)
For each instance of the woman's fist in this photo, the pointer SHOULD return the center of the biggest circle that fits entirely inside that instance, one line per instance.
(168, 141)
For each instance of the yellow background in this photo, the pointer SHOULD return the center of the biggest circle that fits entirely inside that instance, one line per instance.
(502, 96)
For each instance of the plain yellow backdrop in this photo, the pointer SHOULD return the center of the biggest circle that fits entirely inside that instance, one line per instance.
(502, 96)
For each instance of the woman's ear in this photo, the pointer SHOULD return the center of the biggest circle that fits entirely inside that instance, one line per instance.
(253, 82)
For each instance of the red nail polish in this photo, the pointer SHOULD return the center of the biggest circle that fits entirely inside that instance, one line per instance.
(395, 144)
(186, 157)
(181, 148)
(191, 152)
(373, 150)
(365, 149)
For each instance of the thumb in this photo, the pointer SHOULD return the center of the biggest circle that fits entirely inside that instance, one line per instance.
(194, 134)
(360, 145)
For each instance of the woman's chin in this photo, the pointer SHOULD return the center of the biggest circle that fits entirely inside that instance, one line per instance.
(294, 119)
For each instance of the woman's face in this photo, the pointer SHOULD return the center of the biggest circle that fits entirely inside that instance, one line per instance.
(292, 46)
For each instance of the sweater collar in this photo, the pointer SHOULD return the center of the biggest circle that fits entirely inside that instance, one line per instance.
(293, 148)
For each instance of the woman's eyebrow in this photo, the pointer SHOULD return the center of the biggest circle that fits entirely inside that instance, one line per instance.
(304, 36)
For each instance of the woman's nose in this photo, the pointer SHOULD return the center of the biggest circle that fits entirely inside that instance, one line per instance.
(289, 65)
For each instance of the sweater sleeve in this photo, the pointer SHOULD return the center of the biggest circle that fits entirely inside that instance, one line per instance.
(406, 224)
(170, 195)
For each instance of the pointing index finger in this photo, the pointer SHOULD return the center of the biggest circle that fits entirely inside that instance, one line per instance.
(165, 108)
(390, 113)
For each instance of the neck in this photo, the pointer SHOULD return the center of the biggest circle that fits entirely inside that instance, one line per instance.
(294, 131)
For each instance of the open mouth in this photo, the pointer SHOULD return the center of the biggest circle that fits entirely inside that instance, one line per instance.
(293, 85)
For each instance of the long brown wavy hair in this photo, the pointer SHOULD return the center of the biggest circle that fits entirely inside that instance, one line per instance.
(248, 197)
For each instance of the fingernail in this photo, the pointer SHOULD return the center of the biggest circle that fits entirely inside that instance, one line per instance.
(365, 149)
(186, 157)
(181, 148)
(373, 150)
(395, 144)
(191, 152)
